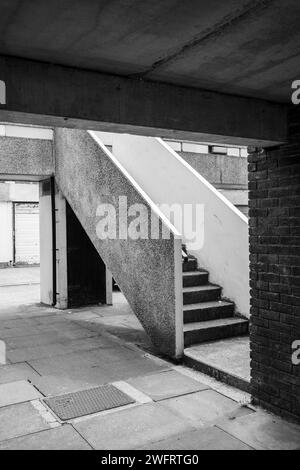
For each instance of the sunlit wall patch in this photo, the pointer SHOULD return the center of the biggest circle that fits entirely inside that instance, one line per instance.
(2, 92)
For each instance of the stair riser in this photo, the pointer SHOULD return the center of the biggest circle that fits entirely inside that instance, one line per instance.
(190, 265)
(195, 280)
(201, 296)
(214, 334)
(216, 313)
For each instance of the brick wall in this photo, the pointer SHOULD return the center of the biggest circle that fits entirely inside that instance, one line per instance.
(274, 226)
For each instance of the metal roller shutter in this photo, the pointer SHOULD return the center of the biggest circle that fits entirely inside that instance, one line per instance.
(27, 244)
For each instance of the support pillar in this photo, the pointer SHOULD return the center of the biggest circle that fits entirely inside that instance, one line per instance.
(46, 244)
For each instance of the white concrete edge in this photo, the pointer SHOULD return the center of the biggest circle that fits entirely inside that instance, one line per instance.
(132, 392)
(26, 131)
(132, 181)
(61, 258)
(203, 181)
(109, 287)
(179, 335)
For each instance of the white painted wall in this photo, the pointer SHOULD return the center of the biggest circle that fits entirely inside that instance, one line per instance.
(168, 179)
(21, 192)
(46, 267)
(6, 227)
(27, 132)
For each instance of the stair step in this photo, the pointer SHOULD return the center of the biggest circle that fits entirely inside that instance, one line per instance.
(200, 332)
(195, 278)
(206, 311)
(189, 265)
(194, 295)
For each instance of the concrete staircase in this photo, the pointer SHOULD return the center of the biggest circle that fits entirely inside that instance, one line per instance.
(207, 317)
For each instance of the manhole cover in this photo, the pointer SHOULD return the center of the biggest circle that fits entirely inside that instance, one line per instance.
(86, 402)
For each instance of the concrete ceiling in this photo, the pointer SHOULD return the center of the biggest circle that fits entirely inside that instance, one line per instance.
(249, 48)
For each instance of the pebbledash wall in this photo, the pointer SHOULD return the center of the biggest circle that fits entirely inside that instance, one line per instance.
(224, 167)
(274, 202)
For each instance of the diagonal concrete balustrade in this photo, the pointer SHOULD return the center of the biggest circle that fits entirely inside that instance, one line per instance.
(220, 242)
(148, 271)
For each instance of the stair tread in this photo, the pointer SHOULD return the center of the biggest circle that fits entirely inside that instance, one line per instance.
(203, 325)
(205, 305)
(206, 287)
(195, 273)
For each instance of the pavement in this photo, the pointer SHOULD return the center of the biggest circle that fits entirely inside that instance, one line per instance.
(51, 352)
(22, 275)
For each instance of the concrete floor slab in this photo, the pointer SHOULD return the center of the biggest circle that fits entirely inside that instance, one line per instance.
(19, 420)
(230, 355)
(166, 385)
(15, 372)
(205, 407)
(17, 392)
(131, 428)
(60, 438)
(264, 431)
(205, 439)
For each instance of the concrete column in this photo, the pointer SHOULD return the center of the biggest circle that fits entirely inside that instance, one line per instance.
(46, 244)
(61, 251)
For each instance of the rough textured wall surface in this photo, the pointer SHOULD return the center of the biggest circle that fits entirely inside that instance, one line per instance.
(274, 184)
(223, 171)
(26, 157)
(144, 269)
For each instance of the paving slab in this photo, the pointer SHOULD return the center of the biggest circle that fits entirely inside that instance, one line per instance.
(61, 347)
(205, 407)
(60, 438)
(51, 385)
(166, 385)
(17, 392)
(205, 439)
(19, 420)
(131, 428)
(103, 365)
(264, 431)
(15, 372)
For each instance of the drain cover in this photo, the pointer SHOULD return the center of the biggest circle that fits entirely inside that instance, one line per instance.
(86, 402)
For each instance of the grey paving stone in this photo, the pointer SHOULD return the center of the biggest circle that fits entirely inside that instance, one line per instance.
(60, 438)
(131, 428)
(205, 439)
(264, 431)
(103, 365)
(15, 372)
(61, 347)
(166, 384)
(50, 385)
(205, 407)
(17, 392)
(19, 420)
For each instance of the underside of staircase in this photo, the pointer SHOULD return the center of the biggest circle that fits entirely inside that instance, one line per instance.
(208, 318)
